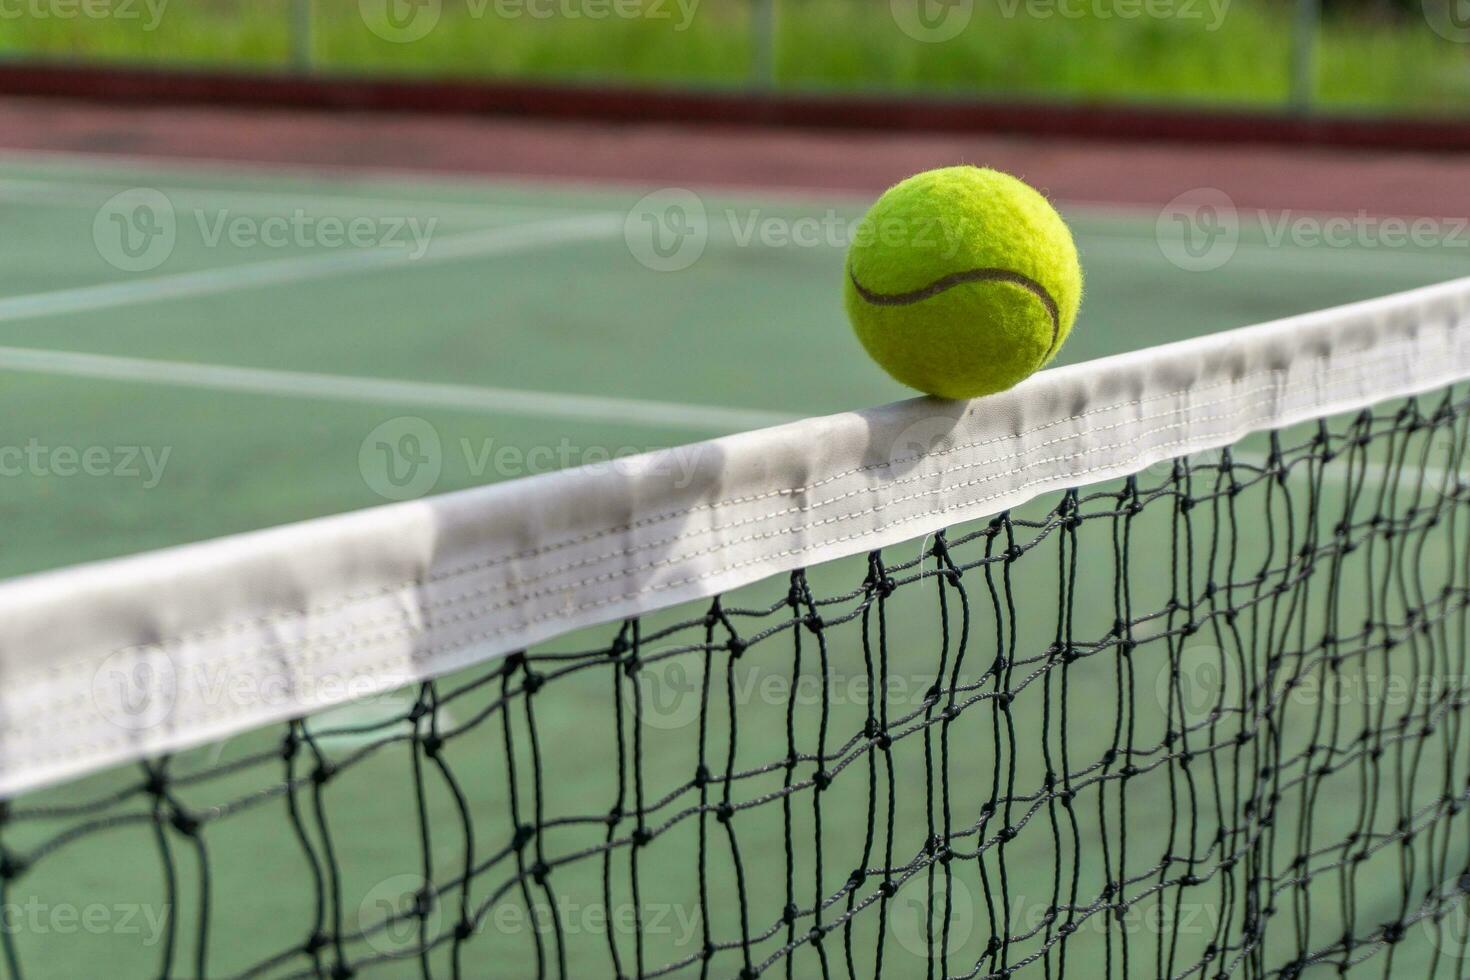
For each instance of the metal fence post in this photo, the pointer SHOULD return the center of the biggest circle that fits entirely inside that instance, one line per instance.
(301, 39)
(1306, 22)
(763, 43)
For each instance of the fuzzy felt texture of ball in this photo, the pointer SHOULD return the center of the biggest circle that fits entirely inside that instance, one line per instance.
(962, 281)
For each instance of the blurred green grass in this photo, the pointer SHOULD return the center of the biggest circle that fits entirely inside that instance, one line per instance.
(1233, 52)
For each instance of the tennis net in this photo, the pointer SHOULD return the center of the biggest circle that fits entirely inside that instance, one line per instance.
(1155, 666)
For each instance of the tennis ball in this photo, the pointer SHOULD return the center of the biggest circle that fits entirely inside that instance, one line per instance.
(962, 281)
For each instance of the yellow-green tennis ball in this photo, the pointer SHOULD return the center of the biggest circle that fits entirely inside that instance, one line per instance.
(962, 281)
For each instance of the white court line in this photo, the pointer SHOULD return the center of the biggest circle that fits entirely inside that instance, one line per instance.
(1320, 258)
(1082, 211)
(91, 195)
(90, 163)
(208, 282)
(705, 419)
(457, 181)
(381, 716)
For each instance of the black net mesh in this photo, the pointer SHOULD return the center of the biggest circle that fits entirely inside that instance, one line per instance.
(1205, 722)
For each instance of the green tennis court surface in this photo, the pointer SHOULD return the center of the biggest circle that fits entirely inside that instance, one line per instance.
(520, 289)
(238, 385)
